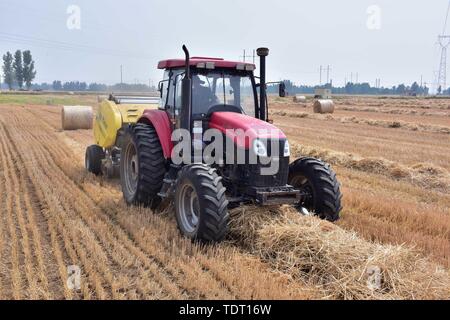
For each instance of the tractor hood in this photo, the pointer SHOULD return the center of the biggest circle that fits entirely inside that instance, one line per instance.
(243, 129)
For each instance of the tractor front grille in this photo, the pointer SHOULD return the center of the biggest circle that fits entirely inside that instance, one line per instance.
(255, 177)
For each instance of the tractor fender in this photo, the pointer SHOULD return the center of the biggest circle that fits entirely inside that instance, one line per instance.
(160, 121)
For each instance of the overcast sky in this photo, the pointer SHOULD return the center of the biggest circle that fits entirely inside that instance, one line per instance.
(391, 40)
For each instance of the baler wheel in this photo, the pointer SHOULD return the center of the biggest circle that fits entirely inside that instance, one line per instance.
(318, 182)
(93, 159)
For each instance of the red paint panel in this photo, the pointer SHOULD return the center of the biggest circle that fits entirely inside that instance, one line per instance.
(252, 127)
(218, 63)
(161, 123)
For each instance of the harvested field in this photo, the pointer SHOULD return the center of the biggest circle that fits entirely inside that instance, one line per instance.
(394, 124)
(396, 217)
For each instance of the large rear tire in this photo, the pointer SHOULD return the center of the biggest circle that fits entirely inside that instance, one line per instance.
(93, 159)
(142, 166)
(316, 178)
(200, 204)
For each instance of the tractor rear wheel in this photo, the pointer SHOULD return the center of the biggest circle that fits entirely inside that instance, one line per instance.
(142, 166)
(318, 181)
(200, 204)
(93, 159)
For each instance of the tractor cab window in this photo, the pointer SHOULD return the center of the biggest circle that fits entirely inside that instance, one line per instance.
(174, 93)
(164, 87)
(214, 88)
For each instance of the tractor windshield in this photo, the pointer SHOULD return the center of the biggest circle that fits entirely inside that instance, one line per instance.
(229, 87)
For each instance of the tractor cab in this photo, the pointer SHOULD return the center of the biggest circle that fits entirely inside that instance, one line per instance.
(216, 85)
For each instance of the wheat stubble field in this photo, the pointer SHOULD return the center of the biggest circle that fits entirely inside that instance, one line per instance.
(392, 157)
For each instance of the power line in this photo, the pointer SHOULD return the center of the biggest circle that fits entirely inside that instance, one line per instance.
(54, 44)
(23, 10)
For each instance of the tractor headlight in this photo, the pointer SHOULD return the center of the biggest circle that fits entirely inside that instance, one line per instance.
(259, 148)
(287, 149)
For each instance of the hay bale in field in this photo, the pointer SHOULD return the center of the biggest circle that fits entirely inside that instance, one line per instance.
(339, 262)
(76, 117)
(299, 99)
(323, 106)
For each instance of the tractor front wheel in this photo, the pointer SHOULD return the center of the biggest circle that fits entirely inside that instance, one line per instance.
(318, 182)
(201, 204)
(142, 166)
(93, 159)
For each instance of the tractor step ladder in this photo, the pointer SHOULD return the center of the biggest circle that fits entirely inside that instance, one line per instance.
(169, 181)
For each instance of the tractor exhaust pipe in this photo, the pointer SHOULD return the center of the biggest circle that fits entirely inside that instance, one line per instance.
(186, 85)
(262, 53)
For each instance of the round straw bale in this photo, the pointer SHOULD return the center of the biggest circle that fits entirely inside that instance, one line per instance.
(76, 117)
(323, 106)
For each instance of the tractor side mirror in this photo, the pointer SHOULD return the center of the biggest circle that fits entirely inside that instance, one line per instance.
(282, 90)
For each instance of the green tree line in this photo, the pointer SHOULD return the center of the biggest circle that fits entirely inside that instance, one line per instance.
(58, 85)
(18, 69)
(357, 88)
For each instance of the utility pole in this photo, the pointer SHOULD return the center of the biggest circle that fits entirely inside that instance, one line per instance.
(320, 81)
(328, 74)
(254, 56)
(351, 77)
(245, 56)
(357, 77)
(121, 75)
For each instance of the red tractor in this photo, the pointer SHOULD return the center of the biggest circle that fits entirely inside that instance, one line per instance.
(198, 94)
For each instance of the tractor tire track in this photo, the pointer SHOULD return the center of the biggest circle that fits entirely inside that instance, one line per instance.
(8, 141)
(15, 262)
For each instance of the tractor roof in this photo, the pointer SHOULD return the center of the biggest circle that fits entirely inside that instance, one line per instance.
(204, 62)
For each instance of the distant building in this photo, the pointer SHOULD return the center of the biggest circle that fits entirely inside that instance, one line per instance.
(322, 93)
